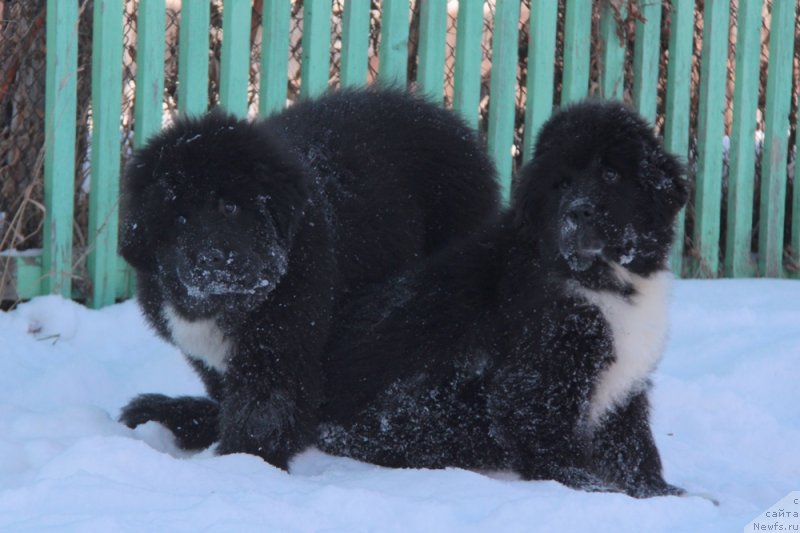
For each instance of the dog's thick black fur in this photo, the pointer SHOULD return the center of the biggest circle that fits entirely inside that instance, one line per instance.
(247, 236)
(529, 346)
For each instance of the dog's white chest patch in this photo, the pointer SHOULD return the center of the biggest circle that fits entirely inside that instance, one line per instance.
(200, 339)
(639, 329)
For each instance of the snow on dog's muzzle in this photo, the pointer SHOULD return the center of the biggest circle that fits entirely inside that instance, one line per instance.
(579, 242)
(213, 271)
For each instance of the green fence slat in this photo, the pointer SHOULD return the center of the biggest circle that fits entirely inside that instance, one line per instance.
(106, 110)
(28, 276)
(776, 119)
(676, 120)
(502, 90)
(710, 129)
(795, 236)
(742, 152)
(59, 160)
(393, 53)
(148, 102)
(315, 61)
(193, 57)
(432, 36)
(467, 74)
(274, 56)
(612, 69)
(150, 46)
(541, 71)
(235, 69)
(355, 43)
(577, 45)
(646, 56)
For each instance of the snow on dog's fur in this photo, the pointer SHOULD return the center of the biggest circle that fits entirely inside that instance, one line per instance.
(247, 236)
(529, 346)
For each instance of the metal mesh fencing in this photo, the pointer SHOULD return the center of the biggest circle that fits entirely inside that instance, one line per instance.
(22, 74)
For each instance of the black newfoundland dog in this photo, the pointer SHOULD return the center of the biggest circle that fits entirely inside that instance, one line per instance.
(529, 346)
(246, 237)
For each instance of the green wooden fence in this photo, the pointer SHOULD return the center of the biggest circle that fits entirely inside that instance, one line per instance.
(51, 273)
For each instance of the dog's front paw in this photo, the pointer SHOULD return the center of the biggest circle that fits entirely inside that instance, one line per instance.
(193, 420)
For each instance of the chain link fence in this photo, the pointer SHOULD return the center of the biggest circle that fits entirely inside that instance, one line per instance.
(22, 68)
(22, 98)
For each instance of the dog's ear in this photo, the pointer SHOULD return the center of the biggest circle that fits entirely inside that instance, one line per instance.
(669, 182)
(679, 193)
(138, 228)
(286, 218)
(528, 201)
(285, 203)
(136, 240)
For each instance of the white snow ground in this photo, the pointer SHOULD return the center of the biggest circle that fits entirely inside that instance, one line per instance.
(726, 417)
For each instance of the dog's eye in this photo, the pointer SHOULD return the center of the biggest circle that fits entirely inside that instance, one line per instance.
(228, 208)
(181, 220)
(562, 184)
(610, 175)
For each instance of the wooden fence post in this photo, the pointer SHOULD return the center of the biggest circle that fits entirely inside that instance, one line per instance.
(149, 100)
(274, 56)
(432, 35)
(541, 71)
(467, 74)
(149, 69)
(393, 53)
(795, 236)
(503, 84)
(577, 46)
(355, 44)
(710, 129)
(776, 118)
(315, 63)
(59, 160)
(646, 54)
(235, 69)
(741, 180)
(102, 262)
(612, 70)
(676, 121)
(193, 57)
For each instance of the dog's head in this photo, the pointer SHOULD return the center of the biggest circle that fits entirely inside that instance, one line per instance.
(601, 188)
(210, 207)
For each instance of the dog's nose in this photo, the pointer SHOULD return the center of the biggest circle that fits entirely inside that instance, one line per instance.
(211, 258)
(581, 212)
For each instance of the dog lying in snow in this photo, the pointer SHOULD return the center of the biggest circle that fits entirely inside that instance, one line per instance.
(528, 346)
(246, 237)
